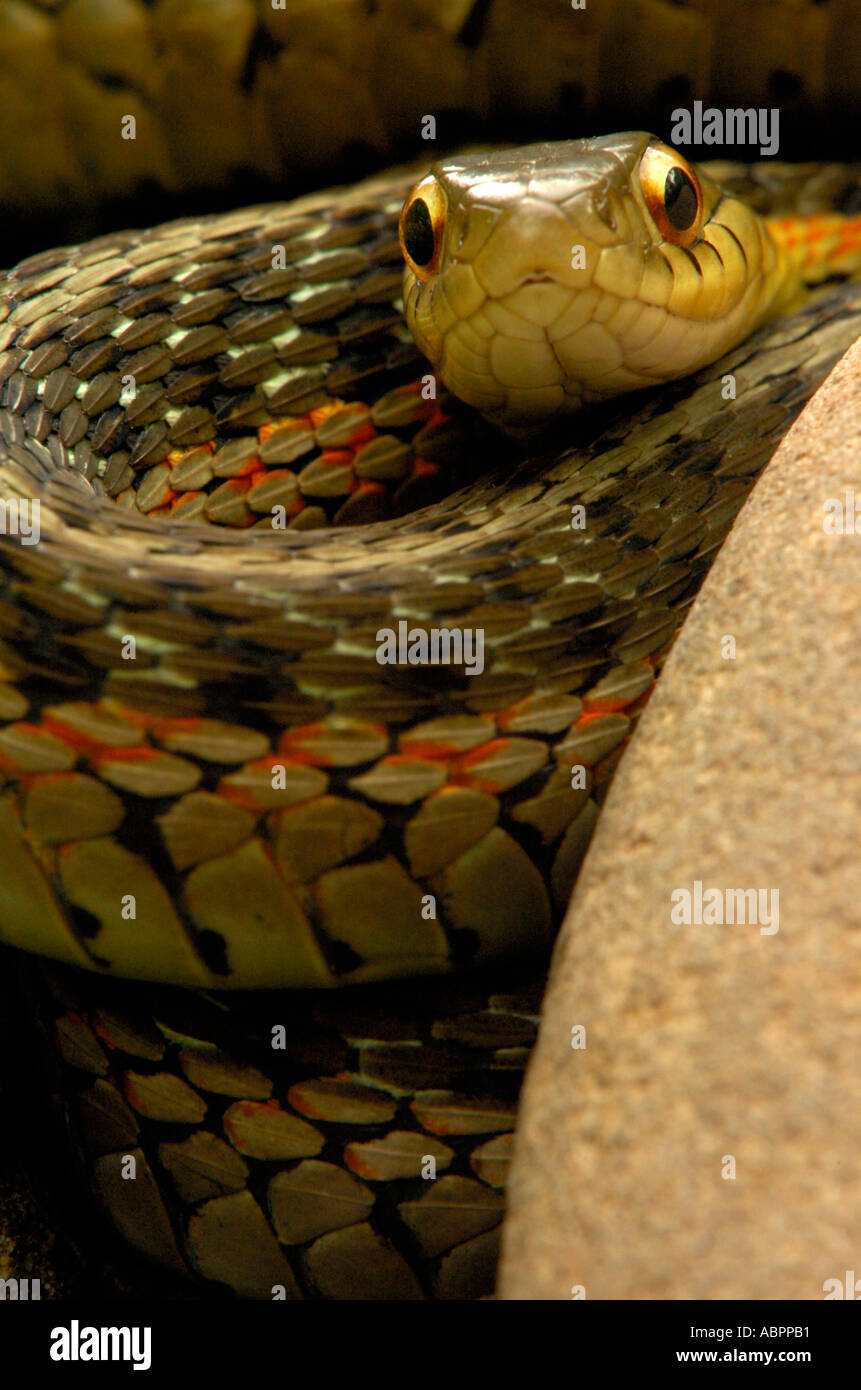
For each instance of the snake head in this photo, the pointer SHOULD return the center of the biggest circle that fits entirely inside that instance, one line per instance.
(542, 278)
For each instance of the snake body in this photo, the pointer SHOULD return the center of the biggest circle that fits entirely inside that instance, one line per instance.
(219, 807)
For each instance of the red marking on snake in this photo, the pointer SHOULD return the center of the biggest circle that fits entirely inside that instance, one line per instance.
(253, 464)
(247, 797)
(74, 738)
(461, 773)
(186, 724)
(322, 412)
(298, 744)
(594, 709)
(424, 467)
(141, 753)
(435, 749)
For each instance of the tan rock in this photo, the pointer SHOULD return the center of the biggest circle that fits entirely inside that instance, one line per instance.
(704, 1142)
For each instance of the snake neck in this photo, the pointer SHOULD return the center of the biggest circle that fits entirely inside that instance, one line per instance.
(810, 250)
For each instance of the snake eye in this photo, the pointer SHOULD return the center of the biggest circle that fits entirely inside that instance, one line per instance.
(421, 226)
(673, 194)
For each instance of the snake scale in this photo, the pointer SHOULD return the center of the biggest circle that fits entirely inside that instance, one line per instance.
(218, 803)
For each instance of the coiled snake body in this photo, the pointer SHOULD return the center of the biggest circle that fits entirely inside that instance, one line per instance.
(211, 780)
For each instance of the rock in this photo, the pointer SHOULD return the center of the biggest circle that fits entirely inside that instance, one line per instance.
(704, 1143)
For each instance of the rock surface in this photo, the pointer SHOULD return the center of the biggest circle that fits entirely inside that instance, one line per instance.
(712, 1048)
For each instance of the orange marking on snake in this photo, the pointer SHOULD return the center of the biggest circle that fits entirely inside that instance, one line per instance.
(850, 237)
(435, 749)
(237, 796)
(606, 706)
(180, 498)
(136, 717)
(84, 743)
(300, 1103)
(179, 724)
(589, 718)
(461, 772)
(320, 413)
(298, 744)
(358, 1163)
(253, 464)
(290, 423)
(177, 455)
(336, 458)
(140, 753)
(400, 759)
(41, 779)
(246, 797)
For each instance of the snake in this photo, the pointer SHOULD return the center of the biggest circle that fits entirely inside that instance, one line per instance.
(297, 881)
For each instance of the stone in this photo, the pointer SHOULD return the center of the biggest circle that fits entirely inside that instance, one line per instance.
(703, 1144)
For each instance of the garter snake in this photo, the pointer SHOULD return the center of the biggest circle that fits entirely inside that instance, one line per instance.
(212, 782)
